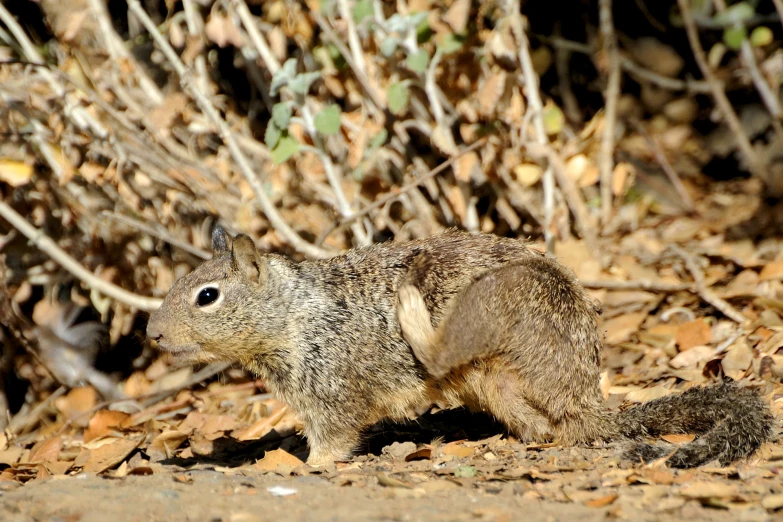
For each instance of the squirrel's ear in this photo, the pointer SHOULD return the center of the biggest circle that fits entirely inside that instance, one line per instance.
(246, 258)
(219, 240)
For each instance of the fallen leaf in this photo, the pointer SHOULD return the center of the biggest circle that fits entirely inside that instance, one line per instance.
(109, 455)
(421, 454)
(709, 489)
(692, 357)
(601, 501)
(772, 271)
(457, 449)
(693, 333)
(15, 173)
(620, 329)
(103, 423)
(679, 438)
(738, 359)
(46, 451)
(276, 458)
(772, 502)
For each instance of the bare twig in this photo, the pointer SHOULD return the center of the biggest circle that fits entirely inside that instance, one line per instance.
(779, 8)
(634, 69)
(722, 101)
(612, 94)
(159, 232)
(195, 27)
(118, 52)
(77, 114)
(512, 10)
(653, 286)
(407, 187)
(660, 157)
(701, 287)
(358, 70)
(283, 228)
(584, 222)
(48, 246)
(26, 419)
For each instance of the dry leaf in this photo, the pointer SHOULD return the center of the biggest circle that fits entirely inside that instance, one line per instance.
(110, 454)
(738, 359)
(620, 329)
(46, 451)
(709, 489)
(15, 173)
(468, 167)
(772, 272)
(692, 357)
(273, 459)
(261, 427)
(527, 174)
(693, 333)
(602, 501)
(104, 423)
(457, 449)
(457, 15)
(679, 438)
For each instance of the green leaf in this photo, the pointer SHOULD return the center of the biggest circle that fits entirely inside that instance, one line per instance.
(735, 14)
(283, 76)
(361, 10)
(388, 46)
(272, 135)
(761, 36)
(554, 119)
(397, 97)
(417, 62)
(734, 36)
(379, 139)
(281, 114)
(465, 472)
(327, 122)
(302, 82)
(451, 43)
(286, 147)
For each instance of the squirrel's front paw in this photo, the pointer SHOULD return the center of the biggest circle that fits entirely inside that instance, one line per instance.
(414, 319)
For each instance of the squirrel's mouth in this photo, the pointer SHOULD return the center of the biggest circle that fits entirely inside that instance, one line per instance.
(178, 349)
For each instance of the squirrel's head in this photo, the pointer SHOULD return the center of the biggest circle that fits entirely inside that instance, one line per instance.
(226, 308)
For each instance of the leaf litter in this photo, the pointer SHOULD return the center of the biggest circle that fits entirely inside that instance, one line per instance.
(689, 268)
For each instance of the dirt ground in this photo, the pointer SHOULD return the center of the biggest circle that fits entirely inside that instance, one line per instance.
(493, 478)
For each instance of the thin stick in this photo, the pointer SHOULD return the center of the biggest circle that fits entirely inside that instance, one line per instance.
(512, 9)
(612, 94)
(158, 232)
(49, 247)
(406, 188)
(358, 70)
(226, 134)
(701, 287)
(722, 101)
(694, 86)
(660, 157)
(653, 286)
(584, 222)
(119, 53)
(779, 8)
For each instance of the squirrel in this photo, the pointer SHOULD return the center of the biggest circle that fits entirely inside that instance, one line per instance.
(385, 331)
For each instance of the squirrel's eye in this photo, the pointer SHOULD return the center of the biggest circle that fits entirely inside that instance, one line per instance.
(207, 296)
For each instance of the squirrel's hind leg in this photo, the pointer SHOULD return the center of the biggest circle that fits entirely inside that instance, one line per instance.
(330, 445)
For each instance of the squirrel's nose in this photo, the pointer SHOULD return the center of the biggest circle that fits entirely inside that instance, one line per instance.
(153, 331)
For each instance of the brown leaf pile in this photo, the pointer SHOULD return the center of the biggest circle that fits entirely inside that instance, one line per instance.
(314, 128)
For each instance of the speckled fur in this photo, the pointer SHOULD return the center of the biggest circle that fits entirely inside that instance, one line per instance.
(522, 342)
(325, 335)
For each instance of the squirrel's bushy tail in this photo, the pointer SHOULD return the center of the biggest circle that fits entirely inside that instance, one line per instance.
(730, 422)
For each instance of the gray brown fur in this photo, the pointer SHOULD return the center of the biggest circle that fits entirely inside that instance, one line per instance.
(326, 338)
